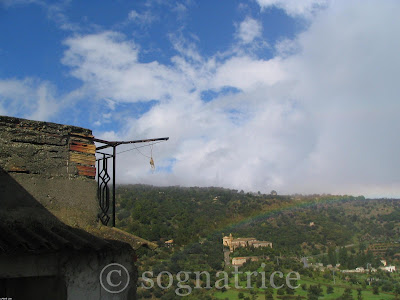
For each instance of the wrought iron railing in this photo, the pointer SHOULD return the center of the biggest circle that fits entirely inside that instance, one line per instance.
(103, 176)
(103, 190)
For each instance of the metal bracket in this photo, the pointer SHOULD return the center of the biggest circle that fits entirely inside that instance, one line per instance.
(103, 177)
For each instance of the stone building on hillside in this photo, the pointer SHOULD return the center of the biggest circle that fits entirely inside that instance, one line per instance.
(233, 244)
(240, 261)
(51, 243)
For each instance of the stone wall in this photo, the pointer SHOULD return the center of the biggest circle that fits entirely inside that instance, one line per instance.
(54, 164)
(77, 274)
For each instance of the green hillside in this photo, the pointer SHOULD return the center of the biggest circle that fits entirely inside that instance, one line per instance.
(325, 228)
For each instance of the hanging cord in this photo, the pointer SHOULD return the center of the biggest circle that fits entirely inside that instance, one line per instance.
(153, 167)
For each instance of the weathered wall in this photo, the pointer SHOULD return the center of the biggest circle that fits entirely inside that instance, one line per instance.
(78, 271)
(54, 163)
(82, 276)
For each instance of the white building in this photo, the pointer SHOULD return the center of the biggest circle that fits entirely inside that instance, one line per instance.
(390, 269)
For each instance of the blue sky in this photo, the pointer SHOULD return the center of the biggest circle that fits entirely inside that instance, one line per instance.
(296, 96)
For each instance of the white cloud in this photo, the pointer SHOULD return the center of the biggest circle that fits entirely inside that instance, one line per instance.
(185, 48)
(180, 9)
(55, 11)
(108, 66)
(287, 47)
(144, 18)
(28, 99)
(249, 30)
(304, 8)
(245, 72)
(8, 3)
(319, 117)
(347, 77)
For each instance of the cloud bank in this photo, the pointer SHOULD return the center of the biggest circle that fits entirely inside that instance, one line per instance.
(318, 117)
(304, 8)
(28, 98)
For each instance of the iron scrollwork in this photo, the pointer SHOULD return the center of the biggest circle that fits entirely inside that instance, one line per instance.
(103, 191)
(103, 177)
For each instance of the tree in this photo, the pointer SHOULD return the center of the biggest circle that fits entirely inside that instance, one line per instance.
(375, 290)
(387, 286)
(253, 294)
(289, 291)
(343, 256)
(268, 295)
(311, 296)
(314, 291)
(324, 260)
(362, 246)
(397, 290)
(329, 289)
(332, 256)
(359, 297)
(347, 295)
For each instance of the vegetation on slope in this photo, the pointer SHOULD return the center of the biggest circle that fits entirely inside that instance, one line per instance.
(197, 218)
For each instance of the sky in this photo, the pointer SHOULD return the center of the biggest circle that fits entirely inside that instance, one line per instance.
(259, 95)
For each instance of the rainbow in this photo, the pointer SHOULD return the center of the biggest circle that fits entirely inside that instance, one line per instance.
(291, 206)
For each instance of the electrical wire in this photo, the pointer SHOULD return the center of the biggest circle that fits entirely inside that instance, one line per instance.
(151, 151)
(137, 148)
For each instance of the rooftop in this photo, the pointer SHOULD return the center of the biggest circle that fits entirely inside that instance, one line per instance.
(48, 191)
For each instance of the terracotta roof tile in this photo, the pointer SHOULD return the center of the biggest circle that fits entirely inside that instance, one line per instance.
(36, 237)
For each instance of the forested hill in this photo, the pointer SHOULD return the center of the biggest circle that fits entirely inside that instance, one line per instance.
(297, 224)
(185, 214)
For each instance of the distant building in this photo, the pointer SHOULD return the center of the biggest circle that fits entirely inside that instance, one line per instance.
(233, 244)
(169, 243)
(359, 270)
(274, 193)
(390, 269)
(239, 261)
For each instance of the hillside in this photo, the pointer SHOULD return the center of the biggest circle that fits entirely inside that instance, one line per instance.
(197, 218)
(187, 215)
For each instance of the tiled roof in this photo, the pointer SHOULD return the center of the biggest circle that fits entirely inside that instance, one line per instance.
(38, 238)
(113, 233)
(244, 239)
